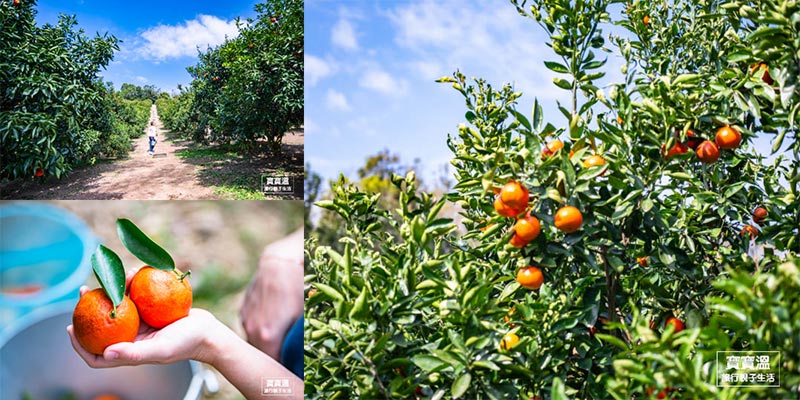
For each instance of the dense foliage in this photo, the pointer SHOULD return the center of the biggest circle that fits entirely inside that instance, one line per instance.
(55, 112)
(422, 312)
(249, 89)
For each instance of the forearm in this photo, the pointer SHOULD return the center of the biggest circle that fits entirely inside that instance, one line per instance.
(247, 368)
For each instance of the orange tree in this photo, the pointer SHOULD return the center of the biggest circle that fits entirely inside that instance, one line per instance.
(250, 88)
(425, 312)
(55, 112)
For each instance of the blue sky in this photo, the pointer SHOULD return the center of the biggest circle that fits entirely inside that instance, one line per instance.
(159, 37)
(370, 68)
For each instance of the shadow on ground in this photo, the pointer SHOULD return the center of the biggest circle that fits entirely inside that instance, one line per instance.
(238, 174)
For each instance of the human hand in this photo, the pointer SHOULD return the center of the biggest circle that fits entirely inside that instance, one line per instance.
(184, 339)
(274, 299)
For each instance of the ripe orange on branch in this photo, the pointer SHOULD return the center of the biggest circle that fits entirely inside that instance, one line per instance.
(749, 231)
(568, 219)
(98, 325)
(552, 147)
(530, 277)
(527, 228)
(678, 324)
(517, 241)
(509, 341)
(161, 296)
(759, 214)
(728, 138)
(515, 195)
(504, 210)
(707, 152)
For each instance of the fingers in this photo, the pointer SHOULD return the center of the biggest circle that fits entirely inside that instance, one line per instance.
(91, 360)
(144, 352)
(84, 289)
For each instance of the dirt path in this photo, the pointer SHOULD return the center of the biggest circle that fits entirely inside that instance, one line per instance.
(139, 176)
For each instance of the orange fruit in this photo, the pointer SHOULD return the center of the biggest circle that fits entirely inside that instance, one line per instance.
(530, 277)
(517, 241)
(642, 261)
(620, 120)
(39, 172)
(509, 341)
(162, 297)
(107, 397)
(504, 210)
(678, 324)
(97, 325)
(312, 292)
(527, 228)
(646, 20)
(765, 77)
(515, 195)
(759, 214)
(551, 148)
(677, 148)
(568, 219)
(749, 230)
(728, 138)
(707, 152)
(594, 161)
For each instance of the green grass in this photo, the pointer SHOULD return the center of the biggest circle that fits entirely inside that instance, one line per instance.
(214, 153)
(238, 192)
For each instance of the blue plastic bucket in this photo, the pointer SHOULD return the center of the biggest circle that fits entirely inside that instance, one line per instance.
(44, 258)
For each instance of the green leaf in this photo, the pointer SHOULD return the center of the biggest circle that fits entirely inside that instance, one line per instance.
(143, 247)
(461, 385)
(556, 67)
(109, 272)
(429, 363)
(563, 83)
(537, 115)
(557, 392)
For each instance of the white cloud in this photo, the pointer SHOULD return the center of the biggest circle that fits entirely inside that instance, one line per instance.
(381, 81)
(343, 35)
(172, 41)
(492, 42)
(141, 79)
(316, 69)
(337, 100)
(428, 70)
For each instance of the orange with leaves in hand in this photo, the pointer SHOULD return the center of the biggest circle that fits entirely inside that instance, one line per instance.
(642, 261)
(551, 148)
(759, 214)
(568, 219)
(530, 277)
(97, 325)
(161, 296)
(515, 195)
(504, 210)
(678, 324)
(527, 228)
(707, 152)
(728, 138)
(749, 230)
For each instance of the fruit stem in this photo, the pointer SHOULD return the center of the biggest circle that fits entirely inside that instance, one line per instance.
(183, 275)
(114, 312)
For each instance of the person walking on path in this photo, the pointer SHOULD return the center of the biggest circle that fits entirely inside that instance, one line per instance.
(151, 134)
